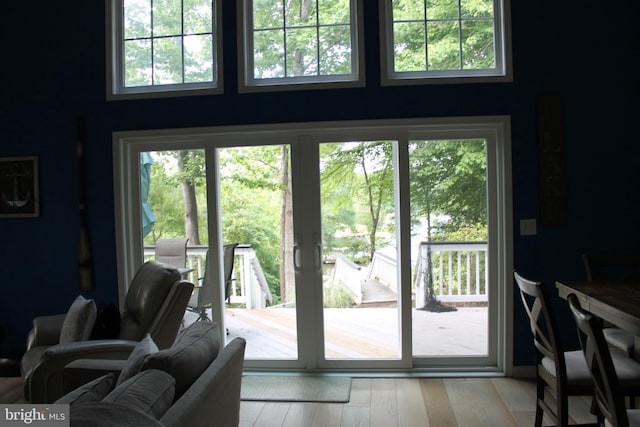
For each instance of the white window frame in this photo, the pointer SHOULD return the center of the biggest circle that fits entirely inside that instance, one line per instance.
(115, 65)
(247, 83)
(495, 129)
(501, 73)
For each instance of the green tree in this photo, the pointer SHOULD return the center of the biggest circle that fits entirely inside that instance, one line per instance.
(366, 169)
(301, 37)
(448, 181)
(177, 190)
(254, 187)
(457, 35)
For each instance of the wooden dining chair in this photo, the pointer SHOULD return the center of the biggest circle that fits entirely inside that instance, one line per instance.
(614, 268)
(563, 373)
(558, 373)
(609, 394)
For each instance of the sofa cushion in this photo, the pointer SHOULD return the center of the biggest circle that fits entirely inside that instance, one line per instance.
(144, 348)
(79, 321)
(193, 351)
(150, 392)
(93, 391)
(101, 414)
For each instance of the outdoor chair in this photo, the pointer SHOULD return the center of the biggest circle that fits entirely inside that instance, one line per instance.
(202, 296)
(172, 252)
(614, 269)
(155, 304)
(559, 373)
(608, 391)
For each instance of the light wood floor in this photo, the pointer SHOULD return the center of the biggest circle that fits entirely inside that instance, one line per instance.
(401, 402)
(413, 402)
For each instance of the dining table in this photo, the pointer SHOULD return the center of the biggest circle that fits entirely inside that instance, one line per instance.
(617, 303)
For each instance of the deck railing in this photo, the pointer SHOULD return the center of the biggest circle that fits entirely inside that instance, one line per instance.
(249, 286)
(459, 271)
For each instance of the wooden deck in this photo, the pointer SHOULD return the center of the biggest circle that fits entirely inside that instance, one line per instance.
(362, 333)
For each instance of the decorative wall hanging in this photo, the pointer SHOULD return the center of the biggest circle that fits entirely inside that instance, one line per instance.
(551, 166)
(85, 256)
(19, 187)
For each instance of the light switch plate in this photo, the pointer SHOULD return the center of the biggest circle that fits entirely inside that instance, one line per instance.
(528, 227)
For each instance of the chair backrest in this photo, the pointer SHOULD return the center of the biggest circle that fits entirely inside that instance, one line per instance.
(172, 252)
(608, 394)
(544, 329)
(205, 294)
(617, 268)
(155, 304)
(228, 261)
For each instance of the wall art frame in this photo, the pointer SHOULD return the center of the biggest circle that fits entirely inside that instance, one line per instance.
(19, 192)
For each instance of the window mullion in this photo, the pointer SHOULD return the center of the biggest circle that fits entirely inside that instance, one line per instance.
(460, 34)
(318, 36)
(153, 47)
(284, 37)
(426, 36)
(182, 38)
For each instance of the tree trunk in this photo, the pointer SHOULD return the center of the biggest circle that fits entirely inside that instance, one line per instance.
(431, 302)
(190, 205)
(287, 272)
(298, 57)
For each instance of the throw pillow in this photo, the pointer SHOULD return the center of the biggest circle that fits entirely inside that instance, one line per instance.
(79, 321)
(144, 348)
(193, 351)
(92, 391)
(150, 392)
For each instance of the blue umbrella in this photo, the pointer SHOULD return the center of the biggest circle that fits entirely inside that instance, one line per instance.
(148, 218)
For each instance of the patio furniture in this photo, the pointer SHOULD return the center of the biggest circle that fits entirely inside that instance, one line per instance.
(172, 252)
(608, 392)
(202, 295)
(155, 304)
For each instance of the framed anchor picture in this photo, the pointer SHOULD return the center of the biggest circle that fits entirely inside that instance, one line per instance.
(19, 187)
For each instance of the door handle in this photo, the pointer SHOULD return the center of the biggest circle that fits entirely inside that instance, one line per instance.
(317, 253)
(297, 258)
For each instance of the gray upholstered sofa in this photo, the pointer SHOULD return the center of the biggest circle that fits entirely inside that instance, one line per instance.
(191, 383)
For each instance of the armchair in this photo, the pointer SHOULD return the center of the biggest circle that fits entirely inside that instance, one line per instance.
(155, 304)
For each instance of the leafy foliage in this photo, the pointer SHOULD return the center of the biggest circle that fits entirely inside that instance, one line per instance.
(448, 185)
(431, 35)
(448, 181)
(301, 38)
(168, 42)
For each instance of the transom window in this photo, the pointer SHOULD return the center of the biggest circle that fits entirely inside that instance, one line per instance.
(430, 39)
(300, 41)
(164, 45)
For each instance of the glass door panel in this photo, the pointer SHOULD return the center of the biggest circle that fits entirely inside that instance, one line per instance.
(174, 206)
(257, 213)
(449, 253)
(359, 245)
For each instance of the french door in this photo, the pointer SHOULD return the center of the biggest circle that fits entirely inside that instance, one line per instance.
(339, 245)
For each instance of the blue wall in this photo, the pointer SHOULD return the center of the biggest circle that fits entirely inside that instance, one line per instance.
(53, 71)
